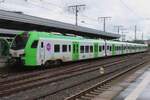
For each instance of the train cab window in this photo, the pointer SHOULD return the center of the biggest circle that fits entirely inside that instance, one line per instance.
(69, 48)
(91, 49)
(81, 49)
(100, 48)
(34, 44)
(86, 49)
(56, 48)
(20, 41)
(64, 48)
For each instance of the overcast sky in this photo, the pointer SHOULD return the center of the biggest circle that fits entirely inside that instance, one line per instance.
(123, 12)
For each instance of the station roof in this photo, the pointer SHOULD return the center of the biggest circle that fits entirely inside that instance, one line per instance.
(8, 32)
(20, 21)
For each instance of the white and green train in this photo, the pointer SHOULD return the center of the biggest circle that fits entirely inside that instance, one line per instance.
(40, 48)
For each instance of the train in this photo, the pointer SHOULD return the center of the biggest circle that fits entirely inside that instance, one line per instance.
(33, 48)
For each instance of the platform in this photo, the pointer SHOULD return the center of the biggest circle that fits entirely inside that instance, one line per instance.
(134, 87)
(138, 90)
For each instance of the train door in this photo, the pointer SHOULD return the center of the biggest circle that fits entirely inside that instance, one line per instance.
(122, 49)
(75, 51)
(113, 49)
(42, 52)
(95, 50)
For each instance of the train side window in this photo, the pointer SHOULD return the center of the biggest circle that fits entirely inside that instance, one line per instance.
(107, 47)
(103, 47)
(81, 49)
(69, 48)
(110, 48)
(56, 48)
(64, 48)
(34, 44)
(100, 48)
(91, 49)
(86, 49)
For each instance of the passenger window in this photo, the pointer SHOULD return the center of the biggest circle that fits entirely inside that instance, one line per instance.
(107, 47)
(81, 49)
(86, 49)
(100, 48)
(34, 44)
(110, 48)
(103, 47)
(91, 49)
(56, 48)
(64, 48)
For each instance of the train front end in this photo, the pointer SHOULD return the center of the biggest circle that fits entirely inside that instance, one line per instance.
(17, 49)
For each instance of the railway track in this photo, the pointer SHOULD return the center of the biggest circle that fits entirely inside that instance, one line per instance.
(13, 74)
(15, 84)
(94, 90)
(102, 78)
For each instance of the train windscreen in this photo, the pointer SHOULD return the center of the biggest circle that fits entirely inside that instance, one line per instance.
(20, 41)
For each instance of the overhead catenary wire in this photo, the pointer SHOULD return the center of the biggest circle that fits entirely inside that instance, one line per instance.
(130, 9)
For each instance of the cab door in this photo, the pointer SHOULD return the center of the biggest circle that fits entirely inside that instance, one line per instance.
(75, 51)
(113, 49)
(42, 52)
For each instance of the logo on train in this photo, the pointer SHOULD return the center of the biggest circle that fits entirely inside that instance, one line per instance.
(48, 46)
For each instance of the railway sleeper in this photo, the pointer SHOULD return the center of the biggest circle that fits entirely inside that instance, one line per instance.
(86, 97)
(89, 95)
(94, 93)
(97, 91)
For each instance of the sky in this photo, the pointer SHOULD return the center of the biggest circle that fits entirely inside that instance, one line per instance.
(127, 13)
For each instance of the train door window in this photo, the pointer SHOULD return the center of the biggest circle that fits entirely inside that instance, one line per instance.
(69, 48)
(100, 48)
(56, 48)
(74, 48)
(42, 44)
(34, 44)
(64, 48)
(77, 47)
(91, 49)
(86, 49)
(81, 49)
